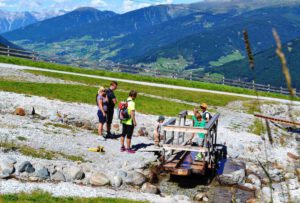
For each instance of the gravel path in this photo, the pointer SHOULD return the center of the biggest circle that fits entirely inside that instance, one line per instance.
(151, 84)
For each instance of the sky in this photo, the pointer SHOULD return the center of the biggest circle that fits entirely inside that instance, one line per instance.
(119, 6)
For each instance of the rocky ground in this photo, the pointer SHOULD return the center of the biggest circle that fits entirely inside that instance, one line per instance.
(60, 134)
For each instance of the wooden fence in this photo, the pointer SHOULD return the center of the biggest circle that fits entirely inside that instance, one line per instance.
(8, 51)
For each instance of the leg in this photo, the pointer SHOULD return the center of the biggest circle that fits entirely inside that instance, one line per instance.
(156, 139)
(124, 132)
(100, 129)
(128, 139)
(128, 142)
(110, 114)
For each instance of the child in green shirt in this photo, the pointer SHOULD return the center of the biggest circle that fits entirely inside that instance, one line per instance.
(199, 123)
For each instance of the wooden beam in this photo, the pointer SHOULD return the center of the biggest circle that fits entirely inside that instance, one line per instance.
(185, 129)
(171, 121)
(184, 148)
(212, 121)
(277, 120)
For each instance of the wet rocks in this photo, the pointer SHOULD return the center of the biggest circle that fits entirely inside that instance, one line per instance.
(99, 179)
(149, 188)
(135, 178)
(26, 166)
(20, 111)
(234, 173)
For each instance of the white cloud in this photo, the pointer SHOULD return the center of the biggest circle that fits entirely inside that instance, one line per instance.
(2, 3)
(98, 3)
(129, 5)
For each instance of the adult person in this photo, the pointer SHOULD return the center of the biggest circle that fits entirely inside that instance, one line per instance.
(129, 124)
(102, 102)
(205, 114)
(112, 100)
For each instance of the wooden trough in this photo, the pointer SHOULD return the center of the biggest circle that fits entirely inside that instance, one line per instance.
(179, 155)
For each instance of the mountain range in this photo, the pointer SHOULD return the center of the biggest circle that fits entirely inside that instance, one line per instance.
(205, 36)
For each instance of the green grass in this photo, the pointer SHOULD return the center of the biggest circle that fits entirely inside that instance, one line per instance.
(43, 197)
(258, 127)
(86, 94)
(189, 96)
(21, 138)
(178, 82)
(37, 153)
(59, 125)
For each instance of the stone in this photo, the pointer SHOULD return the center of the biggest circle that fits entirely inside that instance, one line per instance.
(43, 173)
(99, 179)
(4, 176)
(255, 180)
(6, 167)
(199, 197)
(58, 176)
(292, 156)
(26, 166)
(87, 125)
(20, 111)
(135, 178)
(33, 178)
(117, 181)
(73, 173)
(149, 188)
(233, 178)
(289, 176)
(293, 184)
(251, 200)
(122, 174)
(142, 132)
(116, 127)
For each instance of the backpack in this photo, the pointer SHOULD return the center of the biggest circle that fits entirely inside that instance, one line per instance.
(123, 111)
(204, 115)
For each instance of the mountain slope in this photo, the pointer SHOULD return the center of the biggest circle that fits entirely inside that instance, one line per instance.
(5, 43)
(54, 27)
(267, 66)
(13, 20)
(204, 49)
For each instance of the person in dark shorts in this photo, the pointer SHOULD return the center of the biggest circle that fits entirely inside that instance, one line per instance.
(129, 124)
(102, 102)
(112, 100)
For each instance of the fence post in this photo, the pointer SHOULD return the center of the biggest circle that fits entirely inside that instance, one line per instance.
(280, 90)
(7, 50)
(253, 85)
(223, 80)
(295, 91)
(269, 87)
(191, 76)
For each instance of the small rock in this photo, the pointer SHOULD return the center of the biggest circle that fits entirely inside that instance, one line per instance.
(116, 127)
(20, 111)
(293, 184)
(117, 181)
(251, 200)
(26, 166)
(58, 176)
(233, 178)
(135, 178)
(99, 179)
(292, 156)
(43, 173)
(200, 196)
(149, 188)
(122, 174)
(254, 180)
(87, 125)
(289, 176)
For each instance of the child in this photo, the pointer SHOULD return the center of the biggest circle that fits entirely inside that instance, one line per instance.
(157, 130)
(199, 123)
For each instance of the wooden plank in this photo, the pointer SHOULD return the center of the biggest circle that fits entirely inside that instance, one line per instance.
(184, 129)
(184, 148)
(212, 121)
(183, 113)
(277, 119)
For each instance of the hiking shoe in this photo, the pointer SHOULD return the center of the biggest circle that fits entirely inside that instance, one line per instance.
(130, 151)
(123, 149)
(101, 138)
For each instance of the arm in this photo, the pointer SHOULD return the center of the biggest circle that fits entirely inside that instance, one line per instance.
(114, 100)
(100, 104)
(132, 114)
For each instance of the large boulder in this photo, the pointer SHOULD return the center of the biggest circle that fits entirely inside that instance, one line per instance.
(135, 178)
(43, 174)
(99, 179)
(20, 111)
(26, 166)
(233, 173)
(58, 176)
(73, 173)
(6, 168)
(149, 188)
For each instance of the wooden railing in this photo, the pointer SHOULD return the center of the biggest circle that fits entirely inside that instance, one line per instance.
(8, 51)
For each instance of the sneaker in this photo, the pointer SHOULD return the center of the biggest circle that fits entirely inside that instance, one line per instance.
(123, 149)
(101, 138)
(130, 151)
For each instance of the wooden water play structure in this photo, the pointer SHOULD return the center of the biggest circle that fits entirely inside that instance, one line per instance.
(178, 154)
